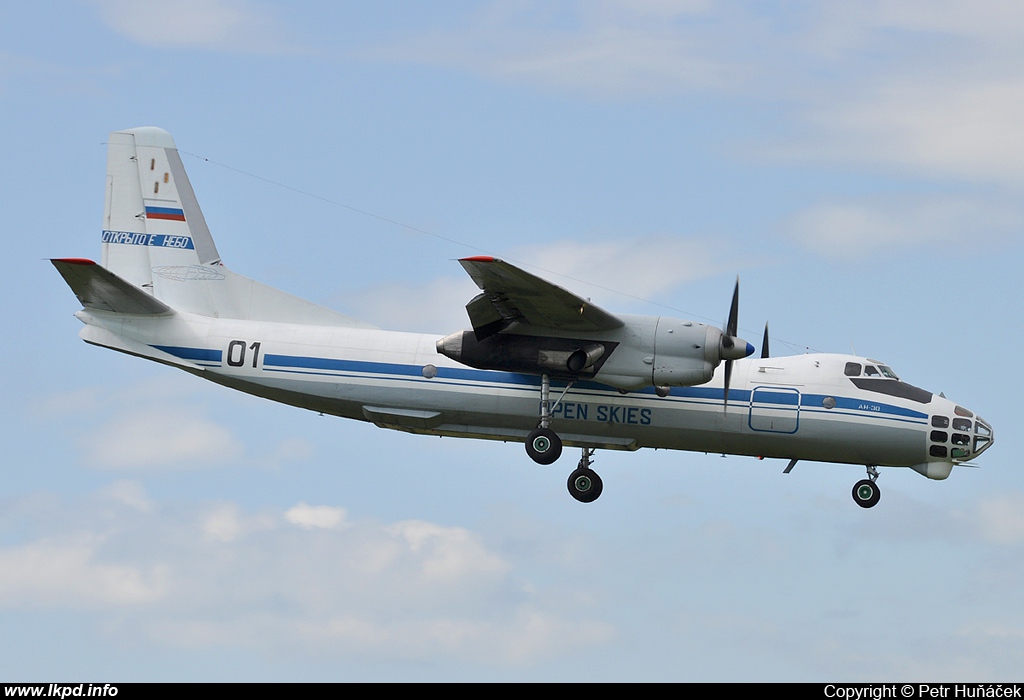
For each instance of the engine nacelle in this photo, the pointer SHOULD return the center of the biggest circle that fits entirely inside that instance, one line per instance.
(530, 354)
(647, 350)
(685, 353)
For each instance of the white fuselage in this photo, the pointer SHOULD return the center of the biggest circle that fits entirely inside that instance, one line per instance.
(797, 407)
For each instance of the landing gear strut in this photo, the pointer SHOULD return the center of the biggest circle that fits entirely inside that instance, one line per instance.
(865, 491)
(544, 447)
(543, 444)
(584, 483)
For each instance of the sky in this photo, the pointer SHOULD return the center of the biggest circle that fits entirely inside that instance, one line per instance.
(859, 165)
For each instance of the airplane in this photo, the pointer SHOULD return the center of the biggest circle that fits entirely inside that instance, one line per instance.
(538, 365)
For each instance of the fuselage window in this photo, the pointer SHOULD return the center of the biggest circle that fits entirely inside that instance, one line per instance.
(962, 424)
(870, 371)
(940, 422)
(938, 436)
(961, 439)
(852, 369)
(937, 450)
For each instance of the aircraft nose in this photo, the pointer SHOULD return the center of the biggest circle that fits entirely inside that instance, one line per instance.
(983, 436)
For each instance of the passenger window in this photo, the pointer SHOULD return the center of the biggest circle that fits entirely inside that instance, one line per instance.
(940, 422)
(938, 436)
(962, 424)
(961, 439)
(937, 451)
(870, 371)
(852, 369)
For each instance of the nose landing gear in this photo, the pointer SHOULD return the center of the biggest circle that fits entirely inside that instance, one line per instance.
(865, 491)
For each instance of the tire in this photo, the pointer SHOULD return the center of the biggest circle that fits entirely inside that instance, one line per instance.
(585, 485)
(866, 493)
(543, 446)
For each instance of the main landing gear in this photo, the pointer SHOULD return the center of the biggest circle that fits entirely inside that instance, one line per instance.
(584, 483)
(865, 491)
(544, 447)
(542, 444)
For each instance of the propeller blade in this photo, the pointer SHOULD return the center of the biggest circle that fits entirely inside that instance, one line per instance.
(734, 311)
(728, 376)
(764, 342)
(729, 339)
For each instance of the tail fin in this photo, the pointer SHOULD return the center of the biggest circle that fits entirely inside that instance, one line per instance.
(151, 217)
(155, 237)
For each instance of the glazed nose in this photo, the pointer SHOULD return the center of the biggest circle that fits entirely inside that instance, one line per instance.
(983, 436)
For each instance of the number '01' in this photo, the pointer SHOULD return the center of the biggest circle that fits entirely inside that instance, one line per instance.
(236, 353)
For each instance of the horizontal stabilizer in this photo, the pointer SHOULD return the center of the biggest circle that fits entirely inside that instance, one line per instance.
(100, 289)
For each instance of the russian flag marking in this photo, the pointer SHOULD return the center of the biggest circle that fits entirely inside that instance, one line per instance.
(165, 213)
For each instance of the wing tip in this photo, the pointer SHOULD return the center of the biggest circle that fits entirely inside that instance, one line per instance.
(479, 258)
(73, 261)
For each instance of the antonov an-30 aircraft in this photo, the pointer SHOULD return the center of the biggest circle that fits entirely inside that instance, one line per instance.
(539, 365)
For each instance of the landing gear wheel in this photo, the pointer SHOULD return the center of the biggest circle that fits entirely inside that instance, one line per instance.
(866, 493)
(543, 446)
(585, 485)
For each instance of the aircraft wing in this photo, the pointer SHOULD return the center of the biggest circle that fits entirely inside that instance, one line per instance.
(511, 295)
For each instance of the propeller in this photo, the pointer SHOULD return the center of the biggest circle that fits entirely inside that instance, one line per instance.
(764, 343)
(733, 348)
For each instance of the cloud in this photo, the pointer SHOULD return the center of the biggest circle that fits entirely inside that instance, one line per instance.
(951, 223)
(446, 553)
(160, 423)
(160, 436)
(615, 273)
(69, 572)
(965, 127)
(1002, 519)
(438, 306)
(306, 577)
(216, 24)
(604, 49)
(926, 88)
(310, 517)
(640, 267)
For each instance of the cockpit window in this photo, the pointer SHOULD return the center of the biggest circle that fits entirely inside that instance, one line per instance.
(870, 371)
(886, 372)
(852, 369)
(963, 424)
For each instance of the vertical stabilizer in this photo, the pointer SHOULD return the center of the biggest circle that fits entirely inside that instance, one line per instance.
(153, 228)
(155, 238)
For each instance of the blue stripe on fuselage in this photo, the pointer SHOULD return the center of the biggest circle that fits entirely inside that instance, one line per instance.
(323, 366)
(194, 354)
